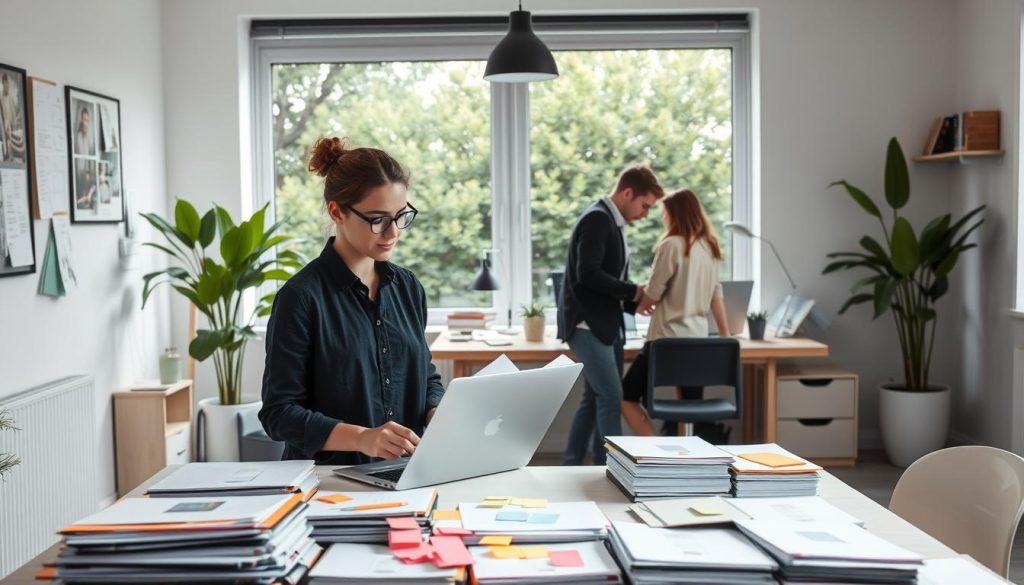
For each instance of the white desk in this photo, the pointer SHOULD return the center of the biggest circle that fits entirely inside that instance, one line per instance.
(587, 483)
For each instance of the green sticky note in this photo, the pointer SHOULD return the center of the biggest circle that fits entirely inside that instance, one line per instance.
(49, 281)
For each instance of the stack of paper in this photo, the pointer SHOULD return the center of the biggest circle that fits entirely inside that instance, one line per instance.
(368, 517)
(506, 520)
(708, 556)
(255, 539)
(370, 563)
(583, 562)
(680, 512)
(665, 467)
(832, 552)
(770, 470)
(238, 479)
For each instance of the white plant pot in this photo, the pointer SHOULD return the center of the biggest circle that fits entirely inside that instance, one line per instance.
(913, 423)
(220, 428)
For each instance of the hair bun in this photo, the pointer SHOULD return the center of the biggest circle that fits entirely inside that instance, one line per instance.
(326, 152)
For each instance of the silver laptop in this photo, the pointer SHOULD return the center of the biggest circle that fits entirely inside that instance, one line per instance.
(485, 424)
(736, 294)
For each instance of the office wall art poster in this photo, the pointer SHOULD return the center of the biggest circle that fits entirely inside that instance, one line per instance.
(17, 251)
(94, 153)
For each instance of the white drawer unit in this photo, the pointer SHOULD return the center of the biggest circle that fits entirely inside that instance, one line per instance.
(179, 444)
(817, 413)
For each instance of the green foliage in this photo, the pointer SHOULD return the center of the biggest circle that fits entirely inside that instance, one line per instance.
(7, 460)
(586, 126)
(910, 273)
(217, 289)
(758, 315)
(534, 309)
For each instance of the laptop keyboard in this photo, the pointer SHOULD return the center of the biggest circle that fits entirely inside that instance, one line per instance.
(388, 474)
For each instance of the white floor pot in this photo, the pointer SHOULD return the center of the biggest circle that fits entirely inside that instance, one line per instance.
(218, 428)
(913, 423)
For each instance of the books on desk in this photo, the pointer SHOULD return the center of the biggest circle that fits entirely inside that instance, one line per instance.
(374, 563)
(536, 522)
(689, 555)
(578, 562)
(832, 552)
(664, 467)
(257, 539)
(365, 517)
(769, 470)
(238, 479)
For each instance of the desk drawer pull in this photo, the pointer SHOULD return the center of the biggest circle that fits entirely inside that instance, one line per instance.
(815, 422)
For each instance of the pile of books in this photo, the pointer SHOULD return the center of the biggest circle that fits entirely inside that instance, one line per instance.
(368, 517)
(689, 512)
(469, 320)
(689, 555)
(369, 563)
(252, 539)
(238, 479)
(667, 467)
(769, 470)
(827, 552)
(579, 563)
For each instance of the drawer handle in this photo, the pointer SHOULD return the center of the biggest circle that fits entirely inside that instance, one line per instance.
(816, 382)
(182, 452)
(815, 422)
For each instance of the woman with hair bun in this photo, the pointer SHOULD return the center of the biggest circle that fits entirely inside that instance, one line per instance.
(348, 376)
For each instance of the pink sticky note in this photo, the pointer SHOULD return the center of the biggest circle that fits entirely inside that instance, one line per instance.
(450, 552)
(414, 554)
(442, 531)
(404, 538)
(403, 523)
(565, 558)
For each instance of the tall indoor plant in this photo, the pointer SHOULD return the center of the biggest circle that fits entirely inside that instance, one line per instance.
(217, 290)
(908, 274)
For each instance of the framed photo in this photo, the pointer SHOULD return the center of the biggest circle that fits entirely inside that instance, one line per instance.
(94, 153)
(17, 243)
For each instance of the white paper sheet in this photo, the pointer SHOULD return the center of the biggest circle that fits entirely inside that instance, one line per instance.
(244, 509)
(355, 562)
(50, 143)
(596, 562)
(17, 218)
(65, 251)
(713, 548)
(417, 501)
(571, 516)
(679, 449)
(795, 509)
(228, 475)
(839, 541)
(746, 466)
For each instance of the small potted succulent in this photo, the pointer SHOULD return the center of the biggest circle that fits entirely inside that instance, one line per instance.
(756, 322)
(533, 321)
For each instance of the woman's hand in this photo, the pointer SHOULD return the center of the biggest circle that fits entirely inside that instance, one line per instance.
(388, 441)
(646, 306)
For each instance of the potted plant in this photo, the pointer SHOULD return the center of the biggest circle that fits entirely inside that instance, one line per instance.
(533, 321)
(7, 460)
(908, 273)
(756, 322)
(216, 289)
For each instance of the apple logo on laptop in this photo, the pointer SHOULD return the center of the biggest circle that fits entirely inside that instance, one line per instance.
(493, 426)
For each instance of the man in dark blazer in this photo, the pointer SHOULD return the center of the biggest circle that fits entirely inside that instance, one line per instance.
(595, 292)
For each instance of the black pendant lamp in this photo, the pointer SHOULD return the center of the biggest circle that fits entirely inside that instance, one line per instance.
(483, 279)
(521, 55)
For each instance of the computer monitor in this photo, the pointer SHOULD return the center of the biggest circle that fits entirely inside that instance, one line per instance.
(736, 294)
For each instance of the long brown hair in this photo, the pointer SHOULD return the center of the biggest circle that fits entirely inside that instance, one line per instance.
(351, 173)
(685, 217)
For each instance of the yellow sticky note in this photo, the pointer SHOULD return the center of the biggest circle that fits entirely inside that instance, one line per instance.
(706, 510)
(334, 499)
(770, 459)
(505, 552)
(496, 540)
(493, 502)
(533, 552)
(529, 502)
(447, 515)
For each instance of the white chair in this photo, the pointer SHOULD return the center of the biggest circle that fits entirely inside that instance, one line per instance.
(970, 498)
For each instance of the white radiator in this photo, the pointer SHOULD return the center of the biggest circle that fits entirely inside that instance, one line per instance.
(56, 482)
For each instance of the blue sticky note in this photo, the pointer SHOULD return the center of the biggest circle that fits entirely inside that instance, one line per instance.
(543, 518)
(512, 516)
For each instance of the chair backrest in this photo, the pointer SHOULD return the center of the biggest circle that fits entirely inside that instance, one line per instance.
(970, 498)
(253, 442)
(695, 361)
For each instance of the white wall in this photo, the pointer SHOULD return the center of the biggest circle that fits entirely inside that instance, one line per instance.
(111, 47)
(837, 79)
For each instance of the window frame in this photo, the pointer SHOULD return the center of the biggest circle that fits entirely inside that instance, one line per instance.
(510, 129)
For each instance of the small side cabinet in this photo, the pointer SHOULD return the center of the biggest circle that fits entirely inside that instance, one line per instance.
(152, 429)
(817, 413)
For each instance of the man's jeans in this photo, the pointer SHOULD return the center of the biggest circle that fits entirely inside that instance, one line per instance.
(602, 397)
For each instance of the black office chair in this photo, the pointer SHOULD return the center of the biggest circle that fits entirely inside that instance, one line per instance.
(694, 362)
(253, 442)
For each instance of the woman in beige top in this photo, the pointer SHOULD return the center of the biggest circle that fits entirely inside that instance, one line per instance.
(682, 289)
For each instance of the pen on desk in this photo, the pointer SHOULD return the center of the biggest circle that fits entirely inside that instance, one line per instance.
(373, 506)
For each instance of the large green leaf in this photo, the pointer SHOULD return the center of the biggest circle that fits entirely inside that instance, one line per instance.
(946, 265)
(897, 179)
(938, 288)
(277, 274)
(168, 230)
(884, 290)
(904, 247)
(236, 245)
(208, 288)
(855, 300)
(876, 249)
(868, 280)
(187, 221)
(208, 229)
(860, 197)
(205, 343)
(934, 238)
(257, 221)
(250, 278)
(224, 223)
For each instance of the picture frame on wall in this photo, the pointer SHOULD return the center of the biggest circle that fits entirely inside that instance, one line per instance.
(17, 238)
(94, 156)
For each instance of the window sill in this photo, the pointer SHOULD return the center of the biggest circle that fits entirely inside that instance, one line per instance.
(1016, 313)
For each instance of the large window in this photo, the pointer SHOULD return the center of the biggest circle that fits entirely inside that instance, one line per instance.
(507, 167)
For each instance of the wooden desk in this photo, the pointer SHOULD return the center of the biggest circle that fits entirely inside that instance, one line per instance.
(563, 484)
(757, 356)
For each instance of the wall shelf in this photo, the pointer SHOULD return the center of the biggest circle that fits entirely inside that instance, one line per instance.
(960, 155)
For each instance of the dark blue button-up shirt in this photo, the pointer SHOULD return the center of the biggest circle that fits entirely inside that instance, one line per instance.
(334, 356)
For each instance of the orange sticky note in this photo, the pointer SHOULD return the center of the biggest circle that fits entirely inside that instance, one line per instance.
(770, 459)
(505, 552)
(403, 523)
(565, 558)
(334, 499)
(533, 552)
(496, 540)
(447, 515)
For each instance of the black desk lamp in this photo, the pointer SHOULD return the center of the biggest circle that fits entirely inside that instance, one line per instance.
(484, 280)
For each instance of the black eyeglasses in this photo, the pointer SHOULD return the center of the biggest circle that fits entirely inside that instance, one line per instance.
(381, 223)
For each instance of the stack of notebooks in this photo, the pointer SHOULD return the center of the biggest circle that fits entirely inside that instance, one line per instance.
(708, 556)
(367, 517)
(251, 539)
(506, 520)
(373, 563)
(832, 552)
(577, 563)
(238, 479)
(685, 512)
(667, 467)
(469, 320)
(770, 470)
